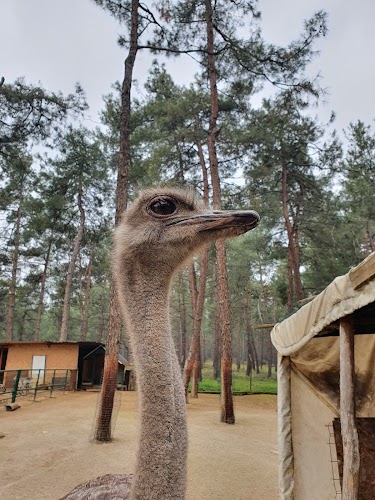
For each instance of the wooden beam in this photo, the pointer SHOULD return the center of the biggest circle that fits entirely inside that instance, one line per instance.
(264, 326)
(350, 479)
(362, 273)
(306, 300)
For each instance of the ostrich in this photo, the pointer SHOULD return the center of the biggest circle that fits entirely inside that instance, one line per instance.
(157, 234)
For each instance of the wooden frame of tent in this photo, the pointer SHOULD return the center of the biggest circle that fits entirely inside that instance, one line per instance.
(316, 354)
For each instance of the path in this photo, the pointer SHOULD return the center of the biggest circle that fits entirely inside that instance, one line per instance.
(46, 451)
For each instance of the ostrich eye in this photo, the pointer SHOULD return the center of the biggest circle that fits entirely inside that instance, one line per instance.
(162, 206)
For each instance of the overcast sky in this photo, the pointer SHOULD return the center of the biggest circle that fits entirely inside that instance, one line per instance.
(60, 42)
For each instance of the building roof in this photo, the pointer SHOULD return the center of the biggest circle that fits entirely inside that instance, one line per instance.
(49, 342)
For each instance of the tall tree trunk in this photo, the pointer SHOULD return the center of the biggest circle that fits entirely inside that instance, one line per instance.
(204, 354)
(250, 361)
(252, 356)
(227, 409)
(193, 359)
(202, 162)
(85, 321)
(292, 258)
(216, 334)
(370, 238)
(269, 343)
(21, 326)
(41, 294)
(238, 344)
(204, 260)
(297, 277)
(101, 310)
(265, 319)
(13, 280)
(262, 351)
(290, 282)
(193, 362)
(296, 244)
(103, 424)
(107, 394)
(80, 294)
(69, 275)
(182, 319)
(254, 350)
(270, 356)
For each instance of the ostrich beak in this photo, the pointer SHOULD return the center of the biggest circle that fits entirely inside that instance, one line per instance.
(220, 219)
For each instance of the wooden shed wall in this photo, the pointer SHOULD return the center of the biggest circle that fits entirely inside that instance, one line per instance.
(65, 356)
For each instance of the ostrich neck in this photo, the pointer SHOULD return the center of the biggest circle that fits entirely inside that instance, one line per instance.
(161, 463)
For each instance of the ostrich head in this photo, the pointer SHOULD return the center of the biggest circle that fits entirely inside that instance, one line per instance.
(163, 227)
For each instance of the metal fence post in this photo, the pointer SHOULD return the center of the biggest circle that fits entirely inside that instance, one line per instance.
(36, 384)
(65, 381)
(15, 386)
(52, 383)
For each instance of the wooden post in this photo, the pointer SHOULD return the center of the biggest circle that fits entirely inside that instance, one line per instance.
(350, 477)
(284, 417)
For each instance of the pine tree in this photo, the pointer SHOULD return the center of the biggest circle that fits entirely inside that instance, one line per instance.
(79, 176)
(29, 112)
(359, 185)
(291, 161)
(17, 183)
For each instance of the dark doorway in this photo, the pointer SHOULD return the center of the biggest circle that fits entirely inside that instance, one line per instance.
(3, 361)
(90, 365)
(366, 436)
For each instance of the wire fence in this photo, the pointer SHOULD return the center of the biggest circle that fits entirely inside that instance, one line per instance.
(20, 385)
(334, 461)
(108, 416)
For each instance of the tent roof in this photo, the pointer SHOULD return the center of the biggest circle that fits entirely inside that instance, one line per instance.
(345, 295)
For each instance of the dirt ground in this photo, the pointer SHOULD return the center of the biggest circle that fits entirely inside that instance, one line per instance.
(46, 449)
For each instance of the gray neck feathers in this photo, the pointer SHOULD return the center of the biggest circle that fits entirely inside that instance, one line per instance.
(161, 463)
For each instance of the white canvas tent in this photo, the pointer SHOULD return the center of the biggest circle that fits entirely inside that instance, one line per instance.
(309, 370)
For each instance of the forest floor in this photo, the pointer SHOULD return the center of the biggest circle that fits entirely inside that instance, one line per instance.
(46, 450)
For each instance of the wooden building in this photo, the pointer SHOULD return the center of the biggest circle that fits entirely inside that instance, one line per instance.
(84, 360)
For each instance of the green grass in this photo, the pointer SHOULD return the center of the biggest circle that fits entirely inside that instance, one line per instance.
(257, 383)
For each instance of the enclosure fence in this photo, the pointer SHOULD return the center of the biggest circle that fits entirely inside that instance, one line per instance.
(16, 385)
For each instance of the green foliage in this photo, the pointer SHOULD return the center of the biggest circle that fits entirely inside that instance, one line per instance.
(256, 383)
(359, 186)
(282, 137)
(29, 112)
